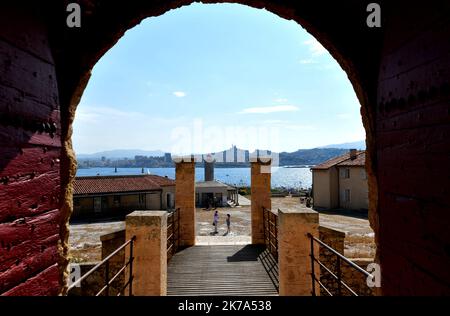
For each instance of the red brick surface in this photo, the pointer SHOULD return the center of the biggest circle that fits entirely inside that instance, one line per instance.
(30, 150)
(413, 154)
(400, 74)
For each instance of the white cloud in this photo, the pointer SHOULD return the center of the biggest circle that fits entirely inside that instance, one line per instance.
(179, 94)
(315, 48)
(269, 109)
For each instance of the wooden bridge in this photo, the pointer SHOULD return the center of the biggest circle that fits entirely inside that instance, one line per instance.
(223, 270)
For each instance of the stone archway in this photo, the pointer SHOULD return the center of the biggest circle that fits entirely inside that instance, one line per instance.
(400, 74)
(93, 46)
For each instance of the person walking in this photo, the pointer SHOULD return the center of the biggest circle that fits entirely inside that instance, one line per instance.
(216, 221)
(228, 223)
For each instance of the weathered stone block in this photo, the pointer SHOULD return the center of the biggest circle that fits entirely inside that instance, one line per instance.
(185, 201)
(260, 198)
(294, 249)
(150, 251)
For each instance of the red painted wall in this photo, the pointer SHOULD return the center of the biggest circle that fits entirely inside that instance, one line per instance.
(413, 151)
(412, 134)
(30, 148)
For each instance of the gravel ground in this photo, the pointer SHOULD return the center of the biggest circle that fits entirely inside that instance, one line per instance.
(359, 242)
(84, 239)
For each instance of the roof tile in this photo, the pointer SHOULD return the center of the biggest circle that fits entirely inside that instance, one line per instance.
(118, 184)
(343, 160)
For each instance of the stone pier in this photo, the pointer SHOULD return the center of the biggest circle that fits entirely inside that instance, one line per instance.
(294, 248)
(260, 197)
(149, 250)
(185, 200)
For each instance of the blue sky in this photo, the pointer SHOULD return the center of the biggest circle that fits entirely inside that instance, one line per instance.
(204, 77)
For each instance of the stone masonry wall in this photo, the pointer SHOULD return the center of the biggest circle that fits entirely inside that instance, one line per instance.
(355, 280)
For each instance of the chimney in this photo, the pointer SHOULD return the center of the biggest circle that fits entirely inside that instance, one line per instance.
(352, 154)
(209, 171)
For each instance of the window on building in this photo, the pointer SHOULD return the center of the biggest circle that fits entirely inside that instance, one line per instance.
(141, 198)
(116, 199)
(97, 204)
(347, 195)
(345, 173)
(104, 202)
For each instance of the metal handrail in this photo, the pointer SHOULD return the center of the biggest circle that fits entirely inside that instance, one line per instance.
(336, 276)
(173, 238)
(351, 263)
(108, 281)
(271, 231)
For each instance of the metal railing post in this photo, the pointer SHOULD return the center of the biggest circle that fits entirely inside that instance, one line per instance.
(130, 279)
(264, 226)
(173, 233)
(107, 277)
(338, 272)
(275, 225)
(271, 230)
(313, 276)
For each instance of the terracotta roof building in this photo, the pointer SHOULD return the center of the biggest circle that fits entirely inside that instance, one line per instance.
(341, 182)
(353, 157)
(213, 193)
(119, 184)
(106, 195)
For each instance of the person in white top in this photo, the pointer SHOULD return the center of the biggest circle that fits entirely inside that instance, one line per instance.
(216, 221)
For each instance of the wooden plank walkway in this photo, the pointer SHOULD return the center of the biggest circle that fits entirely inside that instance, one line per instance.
(222, 270)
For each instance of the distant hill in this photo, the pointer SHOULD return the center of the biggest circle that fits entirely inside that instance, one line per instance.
(309, 156)
(361, 145)
(300, 157)
(121, 153)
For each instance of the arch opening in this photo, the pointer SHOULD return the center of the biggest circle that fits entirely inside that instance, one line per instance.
(341, 61)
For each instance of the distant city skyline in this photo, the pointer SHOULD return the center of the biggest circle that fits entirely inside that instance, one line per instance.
(204, 77)
(131, 153)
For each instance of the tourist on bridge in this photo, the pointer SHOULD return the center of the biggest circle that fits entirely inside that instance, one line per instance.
(216, 221)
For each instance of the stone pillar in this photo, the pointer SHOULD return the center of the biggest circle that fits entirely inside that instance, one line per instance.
(185, 201)
(149, 250)
(294, 248)
(260, 197)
